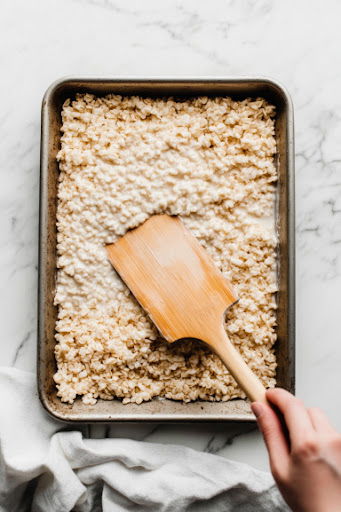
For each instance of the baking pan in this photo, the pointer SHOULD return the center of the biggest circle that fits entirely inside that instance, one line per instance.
(162, 409)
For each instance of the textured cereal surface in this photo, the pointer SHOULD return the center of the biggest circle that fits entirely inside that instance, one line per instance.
(123, 159)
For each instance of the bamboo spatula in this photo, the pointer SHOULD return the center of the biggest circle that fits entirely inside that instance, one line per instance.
(184, 293)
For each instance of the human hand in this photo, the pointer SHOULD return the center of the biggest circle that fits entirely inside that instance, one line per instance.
(307, 466)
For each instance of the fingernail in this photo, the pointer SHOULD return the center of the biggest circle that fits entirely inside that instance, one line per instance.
(256, 409)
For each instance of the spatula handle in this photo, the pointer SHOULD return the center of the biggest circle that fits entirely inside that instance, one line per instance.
(236, 365)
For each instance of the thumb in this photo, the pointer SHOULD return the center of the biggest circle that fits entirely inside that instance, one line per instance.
(275, 440)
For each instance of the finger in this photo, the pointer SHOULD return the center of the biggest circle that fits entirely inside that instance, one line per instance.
(295, 415)
(276, 443)
(320, 422)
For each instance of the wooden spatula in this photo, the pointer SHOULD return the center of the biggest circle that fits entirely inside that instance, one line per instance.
(184, 293)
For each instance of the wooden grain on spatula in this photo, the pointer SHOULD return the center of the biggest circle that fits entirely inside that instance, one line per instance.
(177, 283)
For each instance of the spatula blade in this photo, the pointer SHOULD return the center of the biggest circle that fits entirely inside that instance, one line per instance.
(172, 277)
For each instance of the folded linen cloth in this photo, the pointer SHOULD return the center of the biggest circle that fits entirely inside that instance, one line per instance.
(44, 469)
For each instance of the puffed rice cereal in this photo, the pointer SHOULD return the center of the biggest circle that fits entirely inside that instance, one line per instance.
(123, 159)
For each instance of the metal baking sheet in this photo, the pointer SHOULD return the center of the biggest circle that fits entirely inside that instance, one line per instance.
(162, 409)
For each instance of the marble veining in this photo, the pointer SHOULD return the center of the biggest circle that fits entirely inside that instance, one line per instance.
(296, 43)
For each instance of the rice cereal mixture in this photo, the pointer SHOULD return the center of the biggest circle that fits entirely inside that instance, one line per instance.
(123, 159)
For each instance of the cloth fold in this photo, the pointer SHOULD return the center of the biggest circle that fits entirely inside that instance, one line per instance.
(46, 469)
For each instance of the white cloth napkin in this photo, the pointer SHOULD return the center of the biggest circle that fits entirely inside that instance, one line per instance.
(44, 469)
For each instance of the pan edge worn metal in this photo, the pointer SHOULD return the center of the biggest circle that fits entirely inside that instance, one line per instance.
(162, 410)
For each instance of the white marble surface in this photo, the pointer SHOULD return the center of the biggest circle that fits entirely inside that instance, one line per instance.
(295, 42)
